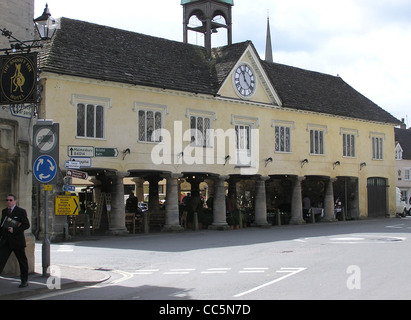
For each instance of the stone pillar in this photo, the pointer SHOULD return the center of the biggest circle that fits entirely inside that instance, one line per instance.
(353, 205)
(210, 187)
(195, 201)
(329, 214)
(172, 212)
(219, 205)
(97, 188)
(153, 198)
(260, 204)
(139, 188)
(117, 224)
(297, 202)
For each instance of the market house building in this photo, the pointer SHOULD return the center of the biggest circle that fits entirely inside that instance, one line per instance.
(266, 133)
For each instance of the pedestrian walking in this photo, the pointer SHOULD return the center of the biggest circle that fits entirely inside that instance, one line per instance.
(13, 223)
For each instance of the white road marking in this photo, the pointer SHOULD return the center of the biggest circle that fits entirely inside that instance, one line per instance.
(290, 271)
(396, 226)
(300, 240)
(253, 270)
(179, 271)
(216, 271)
(347, 239)
(65, 248)
(145, 271)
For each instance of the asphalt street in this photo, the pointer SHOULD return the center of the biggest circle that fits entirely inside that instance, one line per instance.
(366, 260)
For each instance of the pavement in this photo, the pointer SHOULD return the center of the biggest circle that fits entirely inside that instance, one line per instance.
(65, 277)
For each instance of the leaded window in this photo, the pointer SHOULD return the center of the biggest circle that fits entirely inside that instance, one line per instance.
(149, 126)
(316, 141)
(377, 148)
(90, 121)
(282, 138)
(243, 144)
(349, 145)
(200, 131)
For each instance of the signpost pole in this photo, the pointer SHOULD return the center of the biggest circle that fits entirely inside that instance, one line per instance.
(45, 168)
(46, 241)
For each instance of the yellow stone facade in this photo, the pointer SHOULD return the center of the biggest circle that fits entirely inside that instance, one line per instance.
(122, 101)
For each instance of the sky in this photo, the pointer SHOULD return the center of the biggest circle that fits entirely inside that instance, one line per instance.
(365, 42)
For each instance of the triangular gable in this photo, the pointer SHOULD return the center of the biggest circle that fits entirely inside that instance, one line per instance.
(398, 151)
(264, 90)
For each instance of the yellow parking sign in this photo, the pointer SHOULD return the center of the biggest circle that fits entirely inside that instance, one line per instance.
(67, 205)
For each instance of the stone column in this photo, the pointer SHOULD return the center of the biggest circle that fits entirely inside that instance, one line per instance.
(219, 205)
(117, 223)
(353, 209)
(297, 202)
(97, 188)
(172, 212)
(260, 205)
(210, 187)
(329, 214)
(139, 188)
(153, 198)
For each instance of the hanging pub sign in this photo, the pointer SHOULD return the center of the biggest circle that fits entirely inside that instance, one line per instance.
(18, 78)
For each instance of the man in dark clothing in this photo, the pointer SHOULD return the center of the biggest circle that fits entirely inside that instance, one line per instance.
(13, 223)
(132, 203)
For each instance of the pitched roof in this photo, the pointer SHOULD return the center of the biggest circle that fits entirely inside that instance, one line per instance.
(99, 52)
(318, 92)
(403, 136)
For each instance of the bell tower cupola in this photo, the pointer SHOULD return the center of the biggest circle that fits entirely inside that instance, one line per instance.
(206, 11)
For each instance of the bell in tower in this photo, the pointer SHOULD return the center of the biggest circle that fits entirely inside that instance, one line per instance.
(206, 11)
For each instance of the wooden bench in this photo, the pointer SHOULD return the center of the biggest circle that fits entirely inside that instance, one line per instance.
(76, 224)
(131, 222)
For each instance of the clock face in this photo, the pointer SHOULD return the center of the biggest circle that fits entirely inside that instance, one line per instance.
(244, 80)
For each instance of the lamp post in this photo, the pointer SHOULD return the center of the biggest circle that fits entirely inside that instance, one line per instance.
(46, 27)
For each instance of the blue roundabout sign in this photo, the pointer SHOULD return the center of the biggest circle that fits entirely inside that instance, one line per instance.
(45, 169)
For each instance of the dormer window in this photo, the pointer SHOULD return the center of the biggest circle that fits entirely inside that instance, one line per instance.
(398, 152)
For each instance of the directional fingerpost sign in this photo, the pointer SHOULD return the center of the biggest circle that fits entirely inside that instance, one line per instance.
(67, 205)
(45, 151)
(45, 169)
(77, 174)
(80, 151)
(105, 152)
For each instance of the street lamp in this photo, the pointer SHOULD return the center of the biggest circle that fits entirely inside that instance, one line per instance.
(45, 24)
(46, 27)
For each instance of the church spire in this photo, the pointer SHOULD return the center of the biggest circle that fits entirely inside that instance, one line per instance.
(268, 46)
